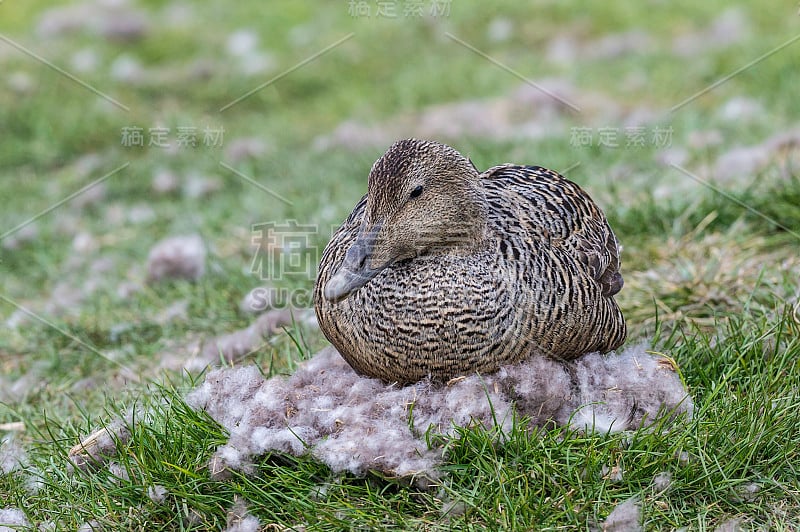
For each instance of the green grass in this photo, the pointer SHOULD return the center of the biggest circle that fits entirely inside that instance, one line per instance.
(741, 436)
(713, 283)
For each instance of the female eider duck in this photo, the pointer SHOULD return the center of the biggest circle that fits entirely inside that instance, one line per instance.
(442, 271)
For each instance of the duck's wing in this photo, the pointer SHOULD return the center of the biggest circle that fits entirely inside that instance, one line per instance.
(556, 209)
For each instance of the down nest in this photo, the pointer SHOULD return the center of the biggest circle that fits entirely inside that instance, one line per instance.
(357, 424)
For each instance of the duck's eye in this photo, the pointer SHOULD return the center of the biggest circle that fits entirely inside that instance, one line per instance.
(416, 192)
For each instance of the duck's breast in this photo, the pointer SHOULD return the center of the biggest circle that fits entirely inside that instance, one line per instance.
(437, 315)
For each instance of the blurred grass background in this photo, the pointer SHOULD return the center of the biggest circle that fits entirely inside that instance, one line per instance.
(693, 258)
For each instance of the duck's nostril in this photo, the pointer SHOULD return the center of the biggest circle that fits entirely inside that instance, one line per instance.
(356, 257)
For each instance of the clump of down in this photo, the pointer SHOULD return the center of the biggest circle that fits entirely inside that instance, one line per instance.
(626, 390)
(239, 518)
(157, 493)
(14, 460)
(626, 517)
(178, 257)
(15, 391)
(349, 422)
(12, 456)
(12, 519)
(91, 526)
(662, 482)
(100, 446)
(730, 525)
(356, 424)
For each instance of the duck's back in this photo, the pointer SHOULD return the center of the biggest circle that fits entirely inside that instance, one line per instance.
(541, 284)
(556, 246)
(544, 205)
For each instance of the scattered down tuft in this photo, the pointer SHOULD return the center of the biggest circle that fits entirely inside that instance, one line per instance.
(626, 517)
(12, 456)
(239, 518)
(179, 257)
(662, 482)
(12, 519)
(100, 446)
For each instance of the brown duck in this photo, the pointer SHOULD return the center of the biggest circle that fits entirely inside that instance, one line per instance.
(442, 271)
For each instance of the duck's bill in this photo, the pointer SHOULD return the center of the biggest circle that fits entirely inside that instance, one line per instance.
(354, 271)
(346, 281)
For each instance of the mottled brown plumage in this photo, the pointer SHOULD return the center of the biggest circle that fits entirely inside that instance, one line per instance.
(441, 270)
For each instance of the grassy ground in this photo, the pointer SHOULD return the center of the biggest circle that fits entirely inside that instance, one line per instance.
(711, 271)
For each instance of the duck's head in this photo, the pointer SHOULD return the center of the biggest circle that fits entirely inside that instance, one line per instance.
(422, 198)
